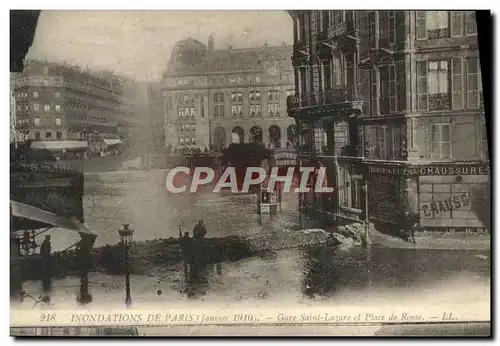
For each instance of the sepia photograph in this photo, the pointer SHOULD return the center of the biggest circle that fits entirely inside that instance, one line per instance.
(250, 173)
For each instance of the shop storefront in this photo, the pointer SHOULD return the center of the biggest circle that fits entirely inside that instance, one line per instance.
(454, 196)
(446, 197)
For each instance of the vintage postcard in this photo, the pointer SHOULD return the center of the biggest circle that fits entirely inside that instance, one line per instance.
(294, 172)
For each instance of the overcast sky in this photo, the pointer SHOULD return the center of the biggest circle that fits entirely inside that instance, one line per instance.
(138, 43)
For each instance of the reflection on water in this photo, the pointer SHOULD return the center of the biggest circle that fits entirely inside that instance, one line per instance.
(329, 273)
(294, 276)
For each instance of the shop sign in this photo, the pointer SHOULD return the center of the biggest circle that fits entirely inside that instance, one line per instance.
(478, 169)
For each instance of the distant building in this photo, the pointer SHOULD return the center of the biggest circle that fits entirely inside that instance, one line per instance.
(12, 118)
(66, 109)
(393, 98)
(213, 98)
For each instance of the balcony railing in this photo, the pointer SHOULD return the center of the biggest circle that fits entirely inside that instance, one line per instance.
(337, 30)
(324, 97)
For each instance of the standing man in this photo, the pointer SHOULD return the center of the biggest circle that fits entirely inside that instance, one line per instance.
(199, 231)
(46, 248)
(186, 243)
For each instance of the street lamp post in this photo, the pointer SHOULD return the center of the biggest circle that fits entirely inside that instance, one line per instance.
(366, 241)
(126, 240)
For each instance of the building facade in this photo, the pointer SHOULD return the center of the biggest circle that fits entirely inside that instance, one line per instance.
(65, 108)
(213, 98)
(12, 112)
(393, 99)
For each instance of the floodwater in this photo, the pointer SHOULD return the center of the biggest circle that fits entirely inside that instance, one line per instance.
(140, 198)
(295, 276)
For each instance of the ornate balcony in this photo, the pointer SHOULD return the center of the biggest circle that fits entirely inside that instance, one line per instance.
(325, 101)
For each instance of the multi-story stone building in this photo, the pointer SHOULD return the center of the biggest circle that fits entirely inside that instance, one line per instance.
(217, 97)
(63, 108)
(12, 118)
(393, 99)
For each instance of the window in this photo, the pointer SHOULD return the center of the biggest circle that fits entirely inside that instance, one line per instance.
(57, 94)
(58, 108)
(273, 95)
(325, 15)
(326, 74)
(218, 105)
(37, 135)
(58, 122)
(300, 25)
(484, 140)
(441, 141)
(59, 135)
(438, 88)
(372, 30)
(35, 94)
(432, 24)
(273, 109)
(46, 108)
(218, 97)
(237, 110)
(255, 95)
(381, 145)
(456, 23)
(470, 23)
(436, 20)
(236, 97)
(438, 77)
(36, 107)
(193, 141)
(181, 141)
(384, 89)
(338, 17)
(37, 121)
(373, 92)
(48, 134)
(337, 71)
(473, 81)
(255, 110)
(393, 107)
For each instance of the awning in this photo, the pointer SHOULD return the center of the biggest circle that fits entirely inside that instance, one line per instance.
(112, 141)
(59, 145)
(25, 216)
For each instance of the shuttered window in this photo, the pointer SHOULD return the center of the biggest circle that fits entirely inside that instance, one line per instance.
(464, 139)
(393, 107)
(456, 20)
(441, 141)
(457, 84)
(421, 29)
(422, 97)
(373, 92)
(473, 83)
(470, 23)
(400, 86)
(364, 76)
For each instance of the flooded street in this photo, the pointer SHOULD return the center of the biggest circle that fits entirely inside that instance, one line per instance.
(295, 276)
(314, 276)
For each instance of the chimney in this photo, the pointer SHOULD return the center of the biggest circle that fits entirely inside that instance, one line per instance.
(265, 46)
(210, 43)
(229, 49)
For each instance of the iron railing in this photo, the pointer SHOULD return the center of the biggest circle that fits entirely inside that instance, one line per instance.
(323, 97)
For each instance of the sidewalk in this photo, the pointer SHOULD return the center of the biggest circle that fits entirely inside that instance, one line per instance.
(435, 241)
